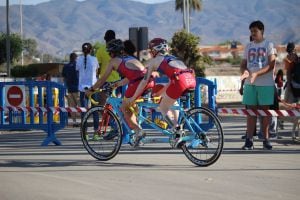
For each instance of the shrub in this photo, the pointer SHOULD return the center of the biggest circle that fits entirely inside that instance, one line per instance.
(185, 46)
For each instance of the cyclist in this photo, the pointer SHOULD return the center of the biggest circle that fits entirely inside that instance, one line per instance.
(181, 79)
(133, 72)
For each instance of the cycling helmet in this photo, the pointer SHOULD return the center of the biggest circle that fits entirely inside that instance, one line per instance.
(115, 46)
(159, 45)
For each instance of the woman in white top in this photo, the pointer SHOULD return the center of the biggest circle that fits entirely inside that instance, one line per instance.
(87, 66)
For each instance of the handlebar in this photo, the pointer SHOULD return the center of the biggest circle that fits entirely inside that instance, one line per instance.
(107, 89)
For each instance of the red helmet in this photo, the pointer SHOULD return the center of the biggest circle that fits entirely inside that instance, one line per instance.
(158, 44)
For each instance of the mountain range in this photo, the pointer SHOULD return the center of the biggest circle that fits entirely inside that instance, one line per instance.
(60, 26)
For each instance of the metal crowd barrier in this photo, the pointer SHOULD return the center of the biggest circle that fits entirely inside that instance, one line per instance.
(39, 97)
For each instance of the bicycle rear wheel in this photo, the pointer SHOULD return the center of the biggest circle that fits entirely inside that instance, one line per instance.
(101, 133)
(207, 139)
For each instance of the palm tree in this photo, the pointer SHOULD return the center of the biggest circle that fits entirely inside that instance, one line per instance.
(195, 5)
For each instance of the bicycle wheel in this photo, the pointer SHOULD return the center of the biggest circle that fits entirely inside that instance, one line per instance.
(101, 133)
(206, 141)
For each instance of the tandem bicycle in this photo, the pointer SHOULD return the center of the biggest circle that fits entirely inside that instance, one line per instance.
(202, 132)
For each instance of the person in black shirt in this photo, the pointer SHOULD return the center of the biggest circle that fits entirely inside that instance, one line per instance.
(71, 81)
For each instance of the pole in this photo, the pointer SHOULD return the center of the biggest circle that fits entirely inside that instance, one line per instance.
(188, 15)
(7, 39)
(21, 32)
(184, 14)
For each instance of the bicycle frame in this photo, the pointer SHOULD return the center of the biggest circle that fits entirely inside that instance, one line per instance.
(200, 135)
(116, 102)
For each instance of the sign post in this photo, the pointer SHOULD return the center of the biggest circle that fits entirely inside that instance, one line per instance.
(15, 95)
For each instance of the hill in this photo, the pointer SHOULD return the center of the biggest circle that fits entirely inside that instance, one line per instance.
(61, 26)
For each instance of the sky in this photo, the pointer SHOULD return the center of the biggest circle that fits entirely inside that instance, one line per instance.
(34, 2)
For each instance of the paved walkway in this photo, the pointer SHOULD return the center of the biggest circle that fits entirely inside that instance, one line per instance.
(30, 171)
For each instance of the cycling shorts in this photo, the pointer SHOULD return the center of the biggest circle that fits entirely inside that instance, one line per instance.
(180, 84)
(132, 87)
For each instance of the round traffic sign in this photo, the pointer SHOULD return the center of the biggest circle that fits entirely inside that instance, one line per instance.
(14, 96)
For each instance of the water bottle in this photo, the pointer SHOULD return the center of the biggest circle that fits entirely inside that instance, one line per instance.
(161, 123)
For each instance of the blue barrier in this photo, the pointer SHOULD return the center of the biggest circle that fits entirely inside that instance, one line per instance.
(20, 120)
(25, 119)
(198, 94)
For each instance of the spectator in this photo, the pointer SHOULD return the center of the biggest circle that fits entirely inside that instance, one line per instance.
(44, 77)
(290, 62)
(87, 67)
(241, 91)
(257, 67)
(129, 48)
(103, 58)
(71, 80)
(279, 82)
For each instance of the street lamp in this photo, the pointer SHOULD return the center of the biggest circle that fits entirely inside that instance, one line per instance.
(186, 15)
(21, 32)
(7, 39)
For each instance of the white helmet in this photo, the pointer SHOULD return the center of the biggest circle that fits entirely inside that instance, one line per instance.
(159, 45)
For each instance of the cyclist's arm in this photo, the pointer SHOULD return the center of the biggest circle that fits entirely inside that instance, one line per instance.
(122, 82)
(103, 78)
(142, 85)
(151, 66)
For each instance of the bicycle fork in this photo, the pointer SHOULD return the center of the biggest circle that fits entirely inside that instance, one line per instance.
(105, 119)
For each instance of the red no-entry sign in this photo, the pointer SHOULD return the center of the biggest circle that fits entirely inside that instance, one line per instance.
(15, 95)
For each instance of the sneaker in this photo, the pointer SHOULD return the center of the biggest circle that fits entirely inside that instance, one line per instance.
(248, 145)
(137, 137)
(87, 137)
(96, 137)
(110, 135)
(267, 145)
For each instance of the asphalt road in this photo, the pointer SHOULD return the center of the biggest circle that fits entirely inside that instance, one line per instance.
(29, 171)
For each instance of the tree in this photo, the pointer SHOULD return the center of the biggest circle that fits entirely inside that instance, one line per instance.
(30, 46)
(195, 5)
(16, 46)
(185, 46)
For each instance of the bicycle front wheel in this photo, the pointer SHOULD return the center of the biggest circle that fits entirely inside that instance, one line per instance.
(206, 136)
(101, 133)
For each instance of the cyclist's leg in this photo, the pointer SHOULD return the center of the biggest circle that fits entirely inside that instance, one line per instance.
(130, 118)
(174, 114)
(164, 106)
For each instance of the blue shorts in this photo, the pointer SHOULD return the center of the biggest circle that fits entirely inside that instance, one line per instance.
(258, 95)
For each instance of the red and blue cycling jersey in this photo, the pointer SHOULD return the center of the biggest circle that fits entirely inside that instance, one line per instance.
(181, 78)
(133, 75)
